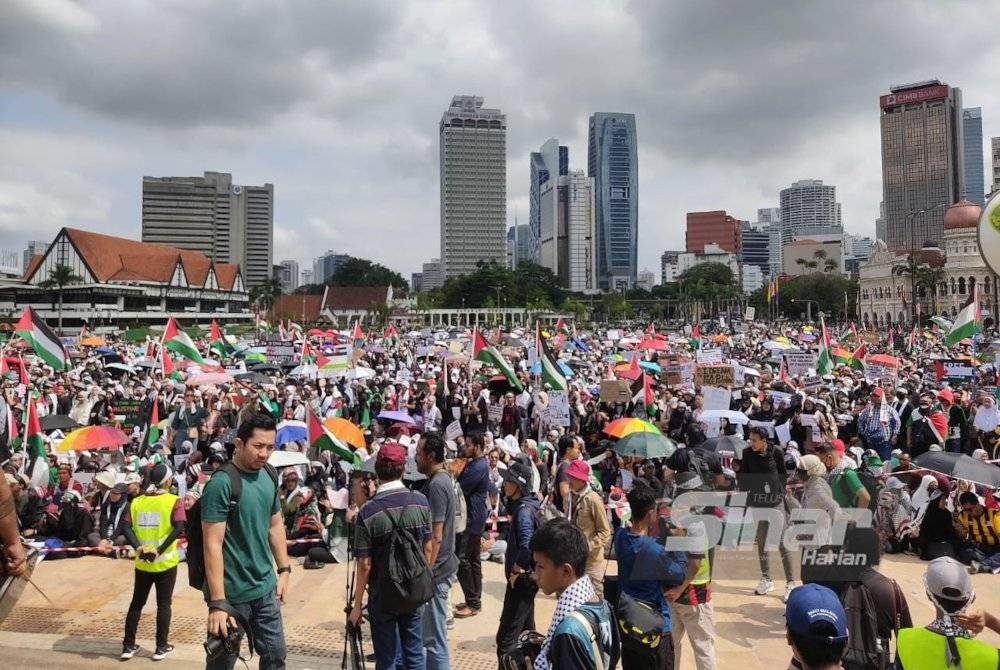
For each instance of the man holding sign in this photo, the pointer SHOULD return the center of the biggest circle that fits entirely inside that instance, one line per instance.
(878, 425)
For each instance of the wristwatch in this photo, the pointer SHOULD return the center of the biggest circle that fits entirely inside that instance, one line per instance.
(286, 568)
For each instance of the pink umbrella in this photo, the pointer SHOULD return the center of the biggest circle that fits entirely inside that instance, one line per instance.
(214, 378)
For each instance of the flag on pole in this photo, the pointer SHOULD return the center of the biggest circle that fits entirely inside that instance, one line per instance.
(770, 292)
(551, 374)
(321, 438)
(218, 342)
(34, 443)
(967, 323)
(166, 364)
(152, 429)
(179, 342)
(824, 364)
(858, 357)
(358, 335)
(783, 371)
(33, 330)
(391, 337)
(562, 328)
(841, 356)
(487, 353)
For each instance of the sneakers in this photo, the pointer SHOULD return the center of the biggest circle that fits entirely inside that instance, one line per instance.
(161, 652)
(128, 651)
(788, 589)
(975, 567)
(764, 586)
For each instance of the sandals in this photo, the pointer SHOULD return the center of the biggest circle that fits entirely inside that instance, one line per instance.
(463, 611)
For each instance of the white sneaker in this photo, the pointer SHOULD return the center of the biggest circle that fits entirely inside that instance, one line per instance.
(764, 586)
(788, 589)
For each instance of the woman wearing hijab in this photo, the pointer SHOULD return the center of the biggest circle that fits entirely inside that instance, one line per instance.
(894, 516)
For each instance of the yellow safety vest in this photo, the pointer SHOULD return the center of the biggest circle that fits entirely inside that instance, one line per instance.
(922, 649)
(151, 525)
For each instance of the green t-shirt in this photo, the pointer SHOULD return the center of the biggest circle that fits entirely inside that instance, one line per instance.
(845, 487)
(246, 553)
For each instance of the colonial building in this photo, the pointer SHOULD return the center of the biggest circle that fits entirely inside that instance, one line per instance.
(120, 282)
(885, 294)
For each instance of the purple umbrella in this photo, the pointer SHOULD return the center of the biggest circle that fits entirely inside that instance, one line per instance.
(392, 415)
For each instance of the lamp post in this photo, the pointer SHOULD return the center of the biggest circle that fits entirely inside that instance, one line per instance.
(910, 217)
(809, 304)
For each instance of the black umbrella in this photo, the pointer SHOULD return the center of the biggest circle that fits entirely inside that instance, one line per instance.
(499, 384)
(265, 367)
(253, 378)
(726, 443)
(960, 466)
(58, 422)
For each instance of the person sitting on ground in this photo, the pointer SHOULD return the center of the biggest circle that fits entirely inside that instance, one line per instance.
(27, 503)
(979, 528)
(815, 628)
(112, 521)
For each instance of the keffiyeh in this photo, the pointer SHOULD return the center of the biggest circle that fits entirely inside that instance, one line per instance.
(579, 592)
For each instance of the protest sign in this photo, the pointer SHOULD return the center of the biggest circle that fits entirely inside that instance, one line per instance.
(884, 374)
(954, 371)
(715, 397)
(799, 363)
(677, 374)
(453, 431)
(496, 412)
(715, 375)
(812, 383)
(280, 352)
(783, 433)
(615, 390)
(767, 425)
(127, 413)
(559, 408)
(750, 313)
(713, 355)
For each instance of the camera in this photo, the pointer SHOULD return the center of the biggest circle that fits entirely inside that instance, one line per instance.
(218, 647)
(529, 645)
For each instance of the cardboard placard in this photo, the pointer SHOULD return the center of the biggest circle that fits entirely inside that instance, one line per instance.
(812, 383)
(715, 397)
(715, 375)
(559, 408)
(750, 313)
(885, 374)
(453, 431)
(677, 373)
(127, 413)
(799, 363)
(615, 390)
(495, 412)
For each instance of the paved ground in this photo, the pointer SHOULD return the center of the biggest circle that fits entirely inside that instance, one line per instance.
(83, 629)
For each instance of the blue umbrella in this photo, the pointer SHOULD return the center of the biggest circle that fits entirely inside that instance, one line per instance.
(291, 431)
(536, 369)
(104, 350)
(650, 366)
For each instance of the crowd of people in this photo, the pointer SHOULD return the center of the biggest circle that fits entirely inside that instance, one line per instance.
(458, 465)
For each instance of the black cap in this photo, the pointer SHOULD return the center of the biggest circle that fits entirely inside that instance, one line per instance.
(519, 473)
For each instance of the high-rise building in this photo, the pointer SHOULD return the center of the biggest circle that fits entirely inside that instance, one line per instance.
(416, 282)
(613, 163)
(809, 207)
(327, 265)
(995, 153)
(769, 221)
(511, 248)
(566, 236)
(755, 244)
(288, 276)
(227, 222)
(432, 278)
(525, 248)
(473, 160)
(306, 277)
(646, 280)
(715, 227)
(922, 165)
(34, 248)
(972, 150)
(880, 231)
(551, 160)
(669, 261)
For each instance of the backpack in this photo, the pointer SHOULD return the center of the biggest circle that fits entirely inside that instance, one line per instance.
(195, 552)
(865, 650)
(406, 583)
(461, 509)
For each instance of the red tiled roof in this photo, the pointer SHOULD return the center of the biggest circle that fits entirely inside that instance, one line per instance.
(297, 307)
(225, 274)
(355, 297)
(33, 264)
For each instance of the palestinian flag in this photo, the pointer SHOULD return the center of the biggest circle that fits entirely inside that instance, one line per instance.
(358, 336)
(218, 342)
(695, 340)
(168, 366)
(391, 337)
(967, 323)
(269, 406)
(643, 392)
(153, 430)
(824, 364)
(562, 328)
(34, 444)
(487, 353)
(32, 329)
(261, 324)
(321, 438)
(841, 356)
(551, 374)
(179, 342)
(858, 357)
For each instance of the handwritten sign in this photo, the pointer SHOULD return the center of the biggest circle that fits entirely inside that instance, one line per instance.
(709, 355)
(453, 431)
(615, 390)
(678, 373)
(715, 375)
(559, 408)
(750, 313)
(799, 362)
(885, 374)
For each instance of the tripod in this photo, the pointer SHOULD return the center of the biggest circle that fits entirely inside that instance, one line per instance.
(352, 633)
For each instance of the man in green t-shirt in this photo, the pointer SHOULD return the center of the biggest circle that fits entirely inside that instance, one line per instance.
(847, 488)
(239, 574)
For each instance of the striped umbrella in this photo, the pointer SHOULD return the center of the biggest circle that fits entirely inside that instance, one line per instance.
(626, 426)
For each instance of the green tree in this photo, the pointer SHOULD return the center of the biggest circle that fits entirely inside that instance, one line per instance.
(363, 272)
(266, 294)
(925, 278)
(827, 290)
(59, 278)
(574, 307)
(503, 287)
(380, 313)
(614, 306)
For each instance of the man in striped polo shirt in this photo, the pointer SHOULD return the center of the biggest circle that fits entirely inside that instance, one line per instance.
(979, 527)
(392, 505)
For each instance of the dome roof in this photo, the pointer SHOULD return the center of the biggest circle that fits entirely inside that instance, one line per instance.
(963, 214)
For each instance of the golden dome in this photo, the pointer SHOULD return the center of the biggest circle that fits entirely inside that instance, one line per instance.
(963, 214)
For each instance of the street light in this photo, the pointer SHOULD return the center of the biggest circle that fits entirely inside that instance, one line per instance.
(809, 304)
(910, 217)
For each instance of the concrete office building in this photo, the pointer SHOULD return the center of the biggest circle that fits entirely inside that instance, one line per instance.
(288, 275)
(715, 227)
(809, 207)
(34, 248)
(568, 229)
(922, 161)
(995, 154)
(769, 220)
(229, 223)
(525, 244)
(550, 161)
(326, 265)
(646, 280)
(972, 158)
(473, 172)
(432, 278)
(668, 266)
(613, 163)
(306, 277)
(755, 242)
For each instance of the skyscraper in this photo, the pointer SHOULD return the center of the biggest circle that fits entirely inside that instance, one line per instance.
(524, 244)
(34, 248)
(613, 163)
(326, 265)
(809, 207)
(769, 221)
(715, 227)
(227, 222)
(995, 154)
(755, 247)
(972, 149)
(568, 228)
(289, 276)
(922, 166)
(551, 160)
(473, 147)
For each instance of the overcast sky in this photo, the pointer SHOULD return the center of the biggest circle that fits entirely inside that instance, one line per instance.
(338, 106)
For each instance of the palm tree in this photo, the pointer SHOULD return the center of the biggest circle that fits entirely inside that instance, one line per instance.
(266, 294)
(922, 275)
(60, 277)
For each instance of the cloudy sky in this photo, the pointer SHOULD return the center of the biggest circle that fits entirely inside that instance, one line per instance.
(337, 104)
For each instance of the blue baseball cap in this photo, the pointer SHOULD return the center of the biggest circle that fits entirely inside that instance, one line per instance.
(812, 604)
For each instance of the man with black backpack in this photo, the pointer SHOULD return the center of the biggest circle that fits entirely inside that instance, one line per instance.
(394, 551)
(243, 531)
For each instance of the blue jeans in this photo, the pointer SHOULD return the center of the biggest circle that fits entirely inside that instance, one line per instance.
(435, 629)
(264, 617)
(397, 639)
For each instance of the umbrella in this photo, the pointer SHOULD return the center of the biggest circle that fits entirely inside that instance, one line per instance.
(729, 415)
(120, 367)
(650, 366)
(93, 342)
(93, 438)
(774, 345)
(655, 345)
(346, 431)
(265, 367)
(625, 371)
(255, 356)
(291, 431)
(807, 337)
(724, 444)
(624, 427)
(360, 373)
(883, 359)
(645, 445)
(960, 466)
(58, 422)
(304, 371)
(395, 415)
(536, 369)
(215, 378)
(147, 364)
(498, 384)
(283, 459)
(315, 331)
(253, 378)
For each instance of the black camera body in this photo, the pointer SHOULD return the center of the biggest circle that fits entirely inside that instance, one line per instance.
(218, 647)
(529, 645)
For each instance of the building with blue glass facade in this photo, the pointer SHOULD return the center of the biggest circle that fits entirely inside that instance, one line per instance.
(972, 146)
(613, 163)
(550, 161)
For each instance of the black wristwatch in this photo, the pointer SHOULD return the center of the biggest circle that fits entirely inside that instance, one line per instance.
(287, 569)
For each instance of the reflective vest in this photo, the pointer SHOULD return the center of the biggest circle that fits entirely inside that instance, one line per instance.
(920, 649)
(151, 525)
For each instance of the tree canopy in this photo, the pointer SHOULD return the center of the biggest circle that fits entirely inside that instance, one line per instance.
(708, 281)
(827, 290)
(531, 285)
(363, 272)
